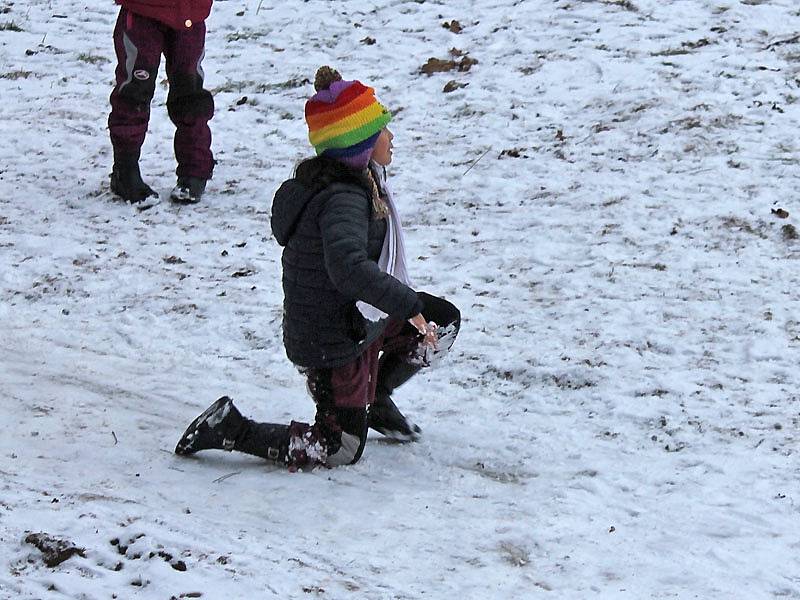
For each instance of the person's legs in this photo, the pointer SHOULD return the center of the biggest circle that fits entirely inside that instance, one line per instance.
(190, 106)
(336, 437)
(341, 395)
(392, 370)
(138, 43)
(402, 358)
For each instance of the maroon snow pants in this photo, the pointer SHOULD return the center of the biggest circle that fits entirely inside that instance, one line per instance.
(342, 394)
(139, 43)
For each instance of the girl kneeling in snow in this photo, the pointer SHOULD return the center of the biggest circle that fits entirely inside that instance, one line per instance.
(352, 324)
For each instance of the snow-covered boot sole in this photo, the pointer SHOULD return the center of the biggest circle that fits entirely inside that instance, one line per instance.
(412, 435)
(215, 428)
(188, 191)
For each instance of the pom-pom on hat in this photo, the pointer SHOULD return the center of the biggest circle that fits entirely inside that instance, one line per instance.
(344, 118)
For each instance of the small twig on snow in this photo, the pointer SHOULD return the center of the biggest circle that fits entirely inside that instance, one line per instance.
(114, 435)
(224, 477)
(260, 2)
(476, 161)
(791, 40)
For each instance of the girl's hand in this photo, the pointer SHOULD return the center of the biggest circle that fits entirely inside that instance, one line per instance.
(425, 329)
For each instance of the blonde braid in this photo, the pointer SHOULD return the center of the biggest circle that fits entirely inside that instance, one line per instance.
(378, 203)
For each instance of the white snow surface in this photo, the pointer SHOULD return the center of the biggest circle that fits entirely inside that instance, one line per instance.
(605, 199)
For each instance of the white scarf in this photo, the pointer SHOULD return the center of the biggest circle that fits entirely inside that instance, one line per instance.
(393, 254)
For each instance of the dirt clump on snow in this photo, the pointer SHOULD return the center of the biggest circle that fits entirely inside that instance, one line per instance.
(54, 550)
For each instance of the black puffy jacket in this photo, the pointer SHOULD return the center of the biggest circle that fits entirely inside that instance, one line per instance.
(331, 247)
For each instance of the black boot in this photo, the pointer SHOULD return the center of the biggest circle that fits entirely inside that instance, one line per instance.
(265, 440)
(222, 427)
(398, 366)
(126, 181)
(189, 190)
(384, 417)
(216, 428)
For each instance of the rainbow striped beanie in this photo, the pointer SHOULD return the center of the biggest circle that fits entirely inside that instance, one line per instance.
(344, 122)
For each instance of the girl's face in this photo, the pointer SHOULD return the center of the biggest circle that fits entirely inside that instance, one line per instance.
(382, 152)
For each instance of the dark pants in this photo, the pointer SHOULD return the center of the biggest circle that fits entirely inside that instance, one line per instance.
(342, 394)
(139, 43)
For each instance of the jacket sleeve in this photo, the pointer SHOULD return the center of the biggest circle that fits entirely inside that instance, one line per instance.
(344, 225)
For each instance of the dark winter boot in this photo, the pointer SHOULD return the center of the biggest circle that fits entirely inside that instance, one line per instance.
(126, 181)
(188, 191)
(384, 417)
(216, 428)
(222, 427)
(265, 440)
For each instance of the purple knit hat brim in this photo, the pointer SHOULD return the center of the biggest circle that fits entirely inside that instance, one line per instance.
(356, 156)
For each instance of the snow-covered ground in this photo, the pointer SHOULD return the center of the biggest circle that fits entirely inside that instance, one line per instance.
(609, 195)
